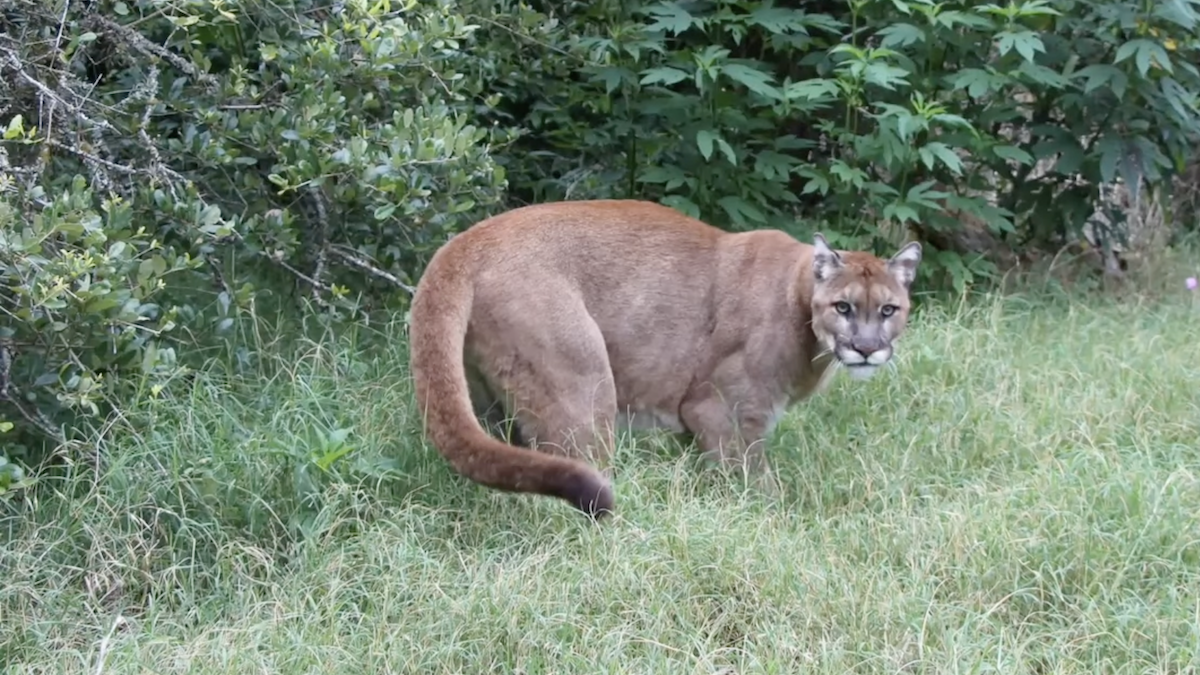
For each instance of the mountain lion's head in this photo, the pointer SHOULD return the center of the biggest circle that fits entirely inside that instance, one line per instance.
(860, 303)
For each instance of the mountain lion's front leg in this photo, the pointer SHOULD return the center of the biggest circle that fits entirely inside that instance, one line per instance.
(733, 435)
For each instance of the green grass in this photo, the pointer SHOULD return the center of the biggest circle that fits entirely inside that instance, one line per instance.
(1020, 495)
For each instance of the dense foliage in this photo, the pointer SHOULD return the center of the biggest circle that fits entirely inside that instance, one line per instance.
(865, 118)
(167, 166)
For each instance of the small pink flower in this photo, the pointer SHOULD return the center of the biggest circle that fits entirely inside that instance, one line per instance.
(1191, 283)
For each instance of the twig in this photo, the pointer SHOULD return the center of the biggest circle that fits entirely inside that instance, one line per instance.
(141, 44)
(218, 274)
(62, 25)
(306, 279)
(119, 168)
(322, 234)
(15, 61)
(368, 267)
(10, 393)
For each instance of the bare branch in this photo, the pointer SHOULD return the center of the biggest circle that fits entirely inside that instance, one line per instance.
(322, 233)
(369, 268)
(141, 44)
(10, 393)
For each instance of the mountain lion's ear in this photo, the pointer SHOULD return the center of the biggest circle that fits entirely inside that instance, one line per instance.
(826, 261)
(903, 265)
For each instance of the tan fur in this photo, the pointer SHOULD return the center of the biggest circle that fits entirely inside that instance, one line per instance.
(573, 317)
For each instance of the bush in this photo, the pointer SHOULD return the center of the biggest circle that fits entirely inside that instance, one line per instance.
(872, 117)
(166, 166)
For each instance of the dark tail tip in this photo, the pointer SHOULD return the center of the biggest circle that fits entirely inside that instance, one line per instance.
(589, 492)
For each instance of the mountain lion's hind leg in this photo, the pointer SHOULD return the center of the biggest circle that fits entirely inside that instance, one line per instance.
(492, 411)
(556, 377)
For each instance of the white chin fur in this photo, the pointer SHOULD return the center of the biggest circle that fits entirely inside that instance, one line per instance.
(879, 358)
(861, 373)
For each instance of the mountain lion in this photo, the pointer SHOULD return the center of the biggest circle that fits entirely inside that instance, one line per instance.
(574, 317)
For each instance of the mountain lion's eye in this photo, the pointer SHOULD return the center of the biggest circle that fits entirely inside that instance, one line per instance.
(888, 310)
(842, 307)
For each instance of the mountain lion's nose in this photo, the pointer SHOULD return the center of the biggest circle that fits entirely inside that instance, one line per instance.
(866, 346)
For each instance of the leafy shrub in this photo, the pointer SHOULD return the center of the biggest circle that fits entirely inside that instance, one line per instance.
(168, 165)
(356, 126)
(871, 117)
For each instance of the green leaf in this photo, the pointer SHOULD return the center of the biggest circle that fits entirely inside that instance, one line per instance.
(848, 174)
(1044, 76)
(978, 83)
(778, 20)
(662, 75)
(1129, 158)
(704, 141)
(885, 76)
(826, 23)
(900, 35)
(325, 461)
(1179, 99)
(384, 211)
(1013, 153)
(151, 268)
(924, 194)
(1145, 53)
(1099, 74)
(1026, 42)
(15, 127)
(727, 150)
(816, 89)
(816, 182)
(611, 76)
(906, 122)
(670, 176)
(943, 152)
(753, 79)
(1070, 160)
(950, 119)
(681, 204)
(1070, 154)
(1127, 50)
(1037, 8)
(960, 276)
(954, 18)
(149, 357)
(1178, 12)
(741, 211)
(209, 216)
(901, 213)
(339, 435)
(671, 18)
(1111, 149)
(774, 165)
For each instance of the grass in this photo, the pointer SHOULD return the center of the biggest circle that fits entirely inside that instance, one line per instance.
(1018, 495)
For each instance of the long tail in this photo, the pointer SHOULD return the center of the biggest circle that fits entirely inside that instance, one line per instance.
(438, 327)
